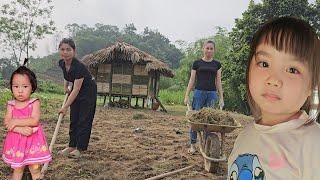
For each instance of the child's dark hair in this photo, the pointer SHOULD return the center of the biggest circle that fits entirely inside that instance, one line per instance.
(68, 41)
(22, 70)
(293, 36)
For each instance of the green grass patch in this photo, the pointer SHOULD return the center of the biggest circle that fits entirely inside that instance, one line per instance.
(49, 87)
(178, 110)
(171, 97)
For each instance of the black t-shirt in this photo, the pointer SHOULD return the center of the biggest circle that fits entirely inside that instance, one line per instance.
(77, 71)
(206, 73)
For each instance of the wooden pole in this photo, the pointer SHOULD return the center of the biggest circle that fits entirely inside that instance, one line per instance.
(131, 84)
(143, 99)
(55, 134)
(164, 109)
(170, 173)
(110, 82)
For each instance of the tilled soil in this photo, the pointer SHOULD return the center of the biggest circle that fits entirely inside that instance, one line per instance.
(125, 145)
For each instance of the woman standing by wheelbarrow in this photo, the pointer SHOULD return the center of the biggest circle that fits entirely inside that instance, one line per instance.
(82, 99)
(206, 72)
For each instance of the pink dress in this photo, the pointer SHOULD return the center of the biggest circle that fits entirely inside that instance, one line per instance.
(20, 150)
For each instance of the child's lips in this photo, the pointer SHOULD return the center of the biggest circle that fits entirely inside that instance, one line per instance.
(271, 96)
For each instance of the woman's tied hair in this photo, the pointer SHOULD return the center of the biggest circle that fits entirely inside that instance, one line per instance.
(23, 70)
(68, 41)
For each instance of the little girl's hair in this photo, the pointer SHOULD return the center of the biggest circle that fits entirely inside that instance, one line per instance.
(290, 35)
(22, 70)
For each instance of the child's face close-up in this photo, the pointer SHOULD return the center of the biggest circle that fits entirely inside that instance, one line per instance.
(66, 51)
(21, 87)
(279, 83)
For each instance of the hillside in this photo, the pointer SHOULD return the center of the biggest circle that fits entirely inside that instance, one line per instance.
(53, 74)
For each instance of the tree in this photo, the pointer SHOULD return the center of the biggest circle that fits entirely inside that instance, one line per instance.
(130, 29)
(90, 39)
(22, 22)
(159, 46)
(6, 68)
(242, 34)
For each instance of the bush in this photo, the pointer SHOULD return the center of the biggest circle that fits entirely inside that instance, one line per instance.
(49, 87)
(171, 96)
(2, 83)
(166, 83)
(5, 96)
(176, 88)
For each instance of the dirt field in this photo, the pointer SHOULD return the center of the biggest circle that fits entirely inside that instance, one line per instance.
(117, 152)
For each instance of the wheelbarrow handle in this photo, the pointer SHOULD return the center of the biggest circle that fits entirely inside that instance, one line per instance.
(188, 107)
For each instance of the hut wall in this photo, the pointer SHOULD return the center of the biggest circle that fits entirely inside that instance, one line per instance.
(125, 79)
(139, 90)
(121, 78)
(157, 86)
(140, 80)
(103, 76)
(93, 71)
(140, 70)
(103, 88)
(151, 85)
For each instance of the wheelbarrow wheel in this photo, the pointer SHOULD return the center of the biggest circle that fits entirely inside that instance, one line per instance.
(212, 149)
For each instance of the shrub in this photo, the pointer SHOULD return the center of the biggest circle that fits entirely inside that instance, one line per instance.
(49, 87)
(171, 96)
(5, 96)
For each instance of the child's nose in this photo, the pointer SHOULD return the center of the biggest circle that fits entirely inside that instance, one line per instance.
(274, 80)
(20, 89)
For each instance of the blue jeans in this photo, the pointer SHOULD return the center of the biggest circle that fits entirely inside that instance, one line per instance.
(201, 99)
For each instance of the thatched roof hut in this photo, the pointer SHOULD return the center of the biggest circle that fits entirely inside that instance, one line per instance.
(127, 52)
(123, 70)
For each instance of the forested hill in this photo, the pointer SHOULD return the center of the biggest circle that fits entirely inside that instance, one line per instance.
(90, 39)
(46, 68)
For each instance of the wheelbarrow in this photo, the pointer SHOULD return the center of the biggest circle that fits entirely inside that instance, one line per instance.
(211, 146)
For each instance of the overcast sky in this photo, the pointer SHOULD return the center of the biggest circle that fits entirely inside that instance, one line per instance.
(178, 19)
(186, 20)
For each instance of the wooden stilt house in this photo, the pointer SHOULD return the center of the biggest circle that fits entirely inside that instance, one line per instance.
(124, 71)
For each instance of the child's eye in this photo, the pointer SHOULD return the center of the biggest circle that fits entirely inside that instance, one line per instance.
(25, 86)
(15, 86)
(263, 64)
(293, 71)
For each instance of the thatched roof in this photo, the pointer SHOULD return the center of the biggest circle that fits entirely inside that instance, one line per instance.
(127, 52)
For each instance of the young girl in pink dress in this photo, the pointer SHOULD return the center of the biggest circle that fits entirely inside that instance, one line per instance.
(25, 143)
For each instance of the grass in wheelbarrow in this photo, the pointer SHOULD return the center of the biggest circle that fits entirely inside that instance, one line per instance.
(212, 116)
